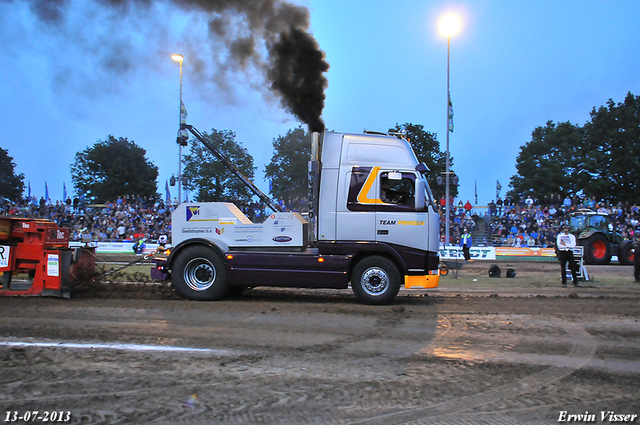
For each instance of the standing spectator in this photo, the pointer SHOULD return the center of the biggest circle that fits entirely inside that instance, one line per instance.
(465, 244)
(121, 230)
(636, 261)
(507, 202)
(528, 202)
(565, 242)
(492, 208)
(468, 206)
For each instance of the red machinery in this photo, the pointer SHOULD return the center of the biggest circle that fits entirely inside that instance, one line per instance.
(35, 258)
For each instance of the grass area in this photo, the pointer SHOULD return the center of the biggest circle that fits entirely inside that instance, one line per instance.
(530, 280)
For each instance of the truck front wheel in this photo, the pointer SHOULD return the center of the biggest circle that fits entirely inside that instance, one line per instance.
(376, 280)
(199, 274)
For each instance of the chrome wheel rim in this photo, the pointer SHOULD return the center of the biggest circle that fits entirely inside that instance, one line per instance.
(375, 281)
(199, 274)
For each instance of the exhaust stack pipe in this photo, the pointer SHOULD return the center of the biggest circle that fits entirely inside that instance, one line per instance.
(314, 169)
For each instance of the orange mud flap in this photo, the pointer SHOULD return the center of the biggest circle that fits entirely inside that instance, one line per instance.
(422, 281)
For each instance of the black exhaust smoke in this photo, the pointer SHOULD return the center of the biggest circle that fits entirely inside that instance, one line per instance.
(296, 72)
(261, 39)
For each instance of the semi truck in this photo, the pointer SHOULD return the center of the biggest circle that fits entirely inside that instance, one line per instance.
(372, 225)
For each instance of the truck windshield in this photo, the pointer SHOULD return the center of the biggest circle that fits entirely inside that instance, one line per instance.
(429, 196)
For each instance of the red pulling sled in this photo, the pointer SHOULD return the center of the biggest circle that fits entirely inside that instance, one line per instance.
(35, 258)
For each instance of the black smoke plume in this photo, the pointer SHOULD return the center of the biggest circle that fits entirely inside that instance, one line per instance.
(267, 41)
(297, 67)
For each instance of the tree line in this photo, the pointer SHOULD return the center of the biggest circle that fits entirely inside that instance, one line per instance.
(117, 166)
(599, 159)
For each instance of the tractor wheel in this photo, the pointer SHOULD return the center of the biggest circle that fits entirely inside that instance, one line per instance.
(625, 254)
(199, 274)
(597, 250)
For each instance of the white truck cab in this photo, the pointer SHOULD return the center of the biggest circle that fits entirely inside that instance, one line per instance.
(373, 192)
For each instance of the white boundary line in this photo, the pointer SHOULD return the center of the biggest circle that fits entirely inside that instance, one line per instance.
(125, 347)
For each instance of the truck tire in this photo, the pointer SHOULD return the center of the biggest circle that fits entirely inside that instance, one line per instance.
(597, 250)
(625, 256)
(199, 274)
(376, 280)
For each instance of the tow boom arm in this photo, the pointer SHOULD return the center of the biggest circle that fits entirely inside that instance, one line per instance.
(230, 165)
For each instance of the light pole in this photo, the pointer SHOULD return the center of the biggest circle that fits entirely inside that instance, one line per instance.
(179, 58)
(449, 25)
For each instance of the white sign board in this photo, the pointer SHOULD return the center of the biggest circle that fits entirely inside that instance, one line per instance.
(53, 265)
(4, 256)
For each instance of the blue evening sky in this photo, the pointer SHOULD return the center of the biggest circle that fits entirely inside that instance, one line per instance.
(514, 66)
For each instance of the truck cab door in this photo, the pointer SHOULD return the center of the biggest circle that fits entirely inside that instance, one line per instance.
(397, 219)
(355, 218)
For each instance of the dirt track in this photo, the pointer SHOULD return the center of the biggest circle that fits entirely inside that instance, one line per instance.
(489, 351)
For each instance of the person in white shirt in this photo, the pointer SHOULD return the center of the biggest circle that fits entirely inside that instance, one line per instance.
(565, 242)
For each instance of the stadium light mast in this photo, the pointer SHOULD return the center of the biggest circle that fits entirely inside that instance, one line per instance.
(179, 58)
(448, 25)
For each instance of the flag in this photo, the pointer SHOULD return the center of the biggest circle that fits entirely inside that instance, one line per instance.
(64, 192)
(475, 182)
(46, 192)
(450, 114)
(166, 190)
(29, 191)
(183, 113)
(498, 189)
(183, 133)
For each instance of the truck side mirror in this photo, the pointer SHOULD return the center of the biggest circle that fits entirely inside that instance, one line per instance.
(421, 190)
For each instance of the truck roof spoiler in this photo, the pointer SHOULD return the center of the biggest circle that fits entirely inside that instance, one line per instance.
(400, 134)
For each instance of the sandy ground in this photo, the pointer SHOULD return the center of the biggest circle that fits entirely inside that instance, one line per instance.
(476, 350)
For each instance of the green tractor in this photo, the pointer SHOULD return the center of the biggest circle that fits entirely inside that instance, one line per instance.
(600, 242)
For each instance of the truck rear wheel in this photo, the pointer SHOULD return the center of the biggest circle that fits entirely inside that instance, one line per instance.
(597, 250)
(199, 274)
(376, 280)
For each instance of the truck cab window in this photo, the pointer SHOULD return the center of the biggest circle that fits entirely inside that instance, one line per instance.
(398, 192)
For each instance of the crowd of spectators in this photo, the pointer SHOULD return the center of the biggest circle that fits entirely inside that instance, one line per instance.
(531, 222)
(128, 218)
(526, 222)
